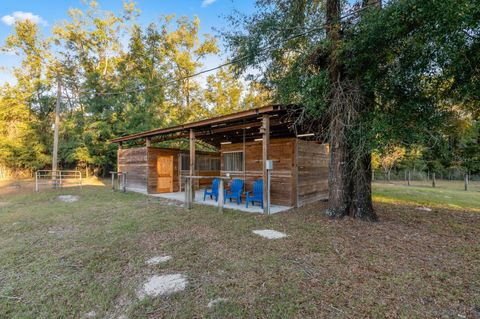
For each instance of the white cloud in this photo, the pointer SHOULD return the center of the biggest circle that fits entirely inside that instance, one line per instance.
(22, 16)
(206, 3)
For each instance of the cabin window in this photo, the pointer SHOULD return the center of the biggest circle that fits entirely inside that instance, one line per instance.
(214, 164)
(202, 163)
(185, 162)
(233, 162)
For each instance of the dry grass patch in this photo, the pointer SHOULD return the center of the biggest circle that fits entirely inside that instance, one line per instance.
(410, 264)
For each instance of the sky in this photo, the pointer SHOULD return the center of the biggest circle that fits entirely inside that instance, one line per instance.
(47, 12)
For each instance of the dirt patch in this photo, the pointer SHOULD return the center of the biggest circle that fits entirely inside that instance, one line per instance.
(162, 285)
(68, 198)
(269, 233)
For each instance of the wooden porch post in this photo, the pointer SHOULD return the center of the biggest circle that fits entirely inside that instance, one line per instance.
(221, 200)
(120, 147)
(192, 164)
(188, 203)
(265, 148)
(148, 142)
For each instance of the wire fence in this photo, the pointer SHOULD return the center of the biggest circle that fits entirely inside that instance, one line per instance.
(448, 179)
(415, 175)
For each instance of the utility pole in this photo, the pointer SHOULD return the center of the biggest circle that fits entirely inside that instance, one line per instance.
(55, 134)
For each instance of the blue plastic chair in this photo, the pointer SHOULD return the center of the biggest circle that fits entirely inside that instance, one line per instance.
(235, 191)
(214, 190)
(257, 194)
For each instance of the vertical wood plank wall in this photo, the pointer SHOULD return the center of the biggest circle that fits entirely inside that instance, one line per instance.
(152, 168)
(140, 164)
(312, 162)
(299, 176)
(133, 161)
(282, 152)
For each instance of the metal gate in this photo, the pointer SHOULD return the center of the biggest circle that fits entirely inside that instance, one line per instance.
(57, 179)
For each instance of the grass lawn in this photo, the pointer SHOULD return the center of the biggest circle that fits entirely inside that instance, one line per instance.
(60, 260)
(446, 194)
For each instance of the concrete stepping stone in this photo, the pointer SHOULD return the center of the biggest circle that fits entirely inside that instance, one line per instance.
(269, 233)
(158, 260)
(162, 285)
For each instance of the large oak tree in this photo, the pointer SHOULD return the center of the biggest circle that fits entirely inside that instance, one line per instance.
(364, 76)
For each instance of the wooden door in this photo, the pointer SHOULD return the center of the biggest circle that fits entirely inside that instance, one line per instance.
(165, 173)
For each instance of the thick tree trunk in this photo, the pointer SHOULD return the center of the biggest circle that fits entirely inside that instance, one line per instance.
(362, 206)
(338, 179)
(350, 173)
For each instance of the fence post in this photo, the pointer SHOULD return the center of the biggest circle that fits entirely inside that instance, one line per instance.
(185, 193)
(408, 178)
(81, 183)
(124, 178)
(113, 180)
(466, 181)
(433, 179)
(188, 196)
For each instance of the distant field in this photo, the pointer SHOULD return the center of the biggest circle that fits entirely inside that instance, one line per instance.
(446, 194)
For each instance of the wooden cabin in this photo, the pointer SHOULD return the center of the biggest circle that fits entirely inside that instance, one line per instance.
(300, 168)
(155, 170)
(245, 141)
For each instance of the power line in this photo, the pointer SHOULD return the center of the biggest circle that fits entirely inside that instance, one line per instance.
(239, 59)
(175, 81)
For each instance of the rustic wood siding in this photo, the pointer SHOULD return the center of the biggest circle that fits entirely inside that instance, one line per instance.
(140, 164)
(133, 161)
(312, 167)
(282, 152)
(152, 168)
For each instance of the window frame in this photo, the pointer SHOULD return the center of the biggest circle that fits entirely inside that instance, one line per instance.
(207, 162)
(242, 164)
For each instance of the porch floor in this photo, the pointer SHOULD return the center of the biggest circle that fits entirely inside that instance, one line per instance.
(180, 196)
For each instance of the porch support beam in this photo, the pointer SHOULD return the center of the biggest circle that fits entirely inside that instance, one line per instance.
(192, 164)
(265, 130)
(148, 141)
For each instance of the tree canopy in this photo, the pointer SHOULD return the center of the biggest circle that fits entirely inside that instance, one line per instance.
(117, 76)
(370, 76)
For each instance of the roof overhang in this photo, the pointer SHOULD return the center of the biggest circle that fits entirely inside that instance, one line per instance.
(232, 127)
